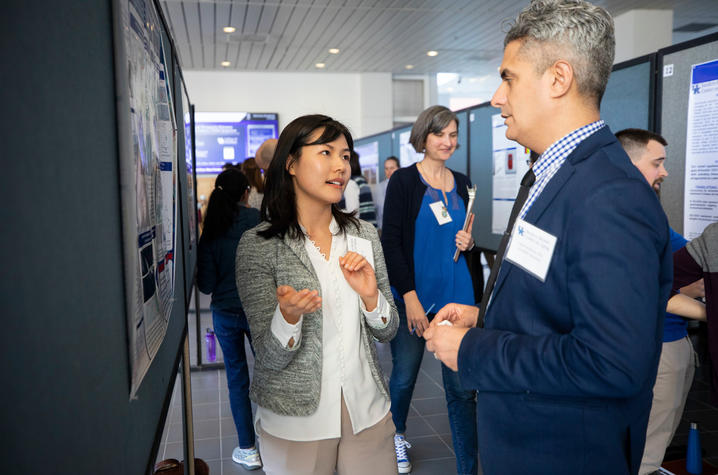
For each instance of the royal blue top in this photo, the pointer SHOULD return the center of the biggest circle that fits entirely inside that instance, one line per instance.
(439, 280)
(675, 327)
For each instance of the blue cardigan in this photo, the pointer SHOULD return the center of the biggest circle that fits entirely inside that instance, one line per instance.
(401, 207)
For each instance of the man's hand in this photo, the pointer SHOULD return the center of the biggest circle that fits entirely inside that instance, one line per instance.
(444, 342)
(294, 304)
(459, 315)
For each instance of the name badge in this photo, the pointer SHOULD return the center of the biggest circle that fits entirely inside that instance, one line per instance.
(440, 212)
(531, 249)
(362, 247)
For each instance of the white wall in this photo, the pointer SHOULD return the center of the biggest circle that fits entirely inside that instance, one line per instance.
(360, 101)
(640, 32)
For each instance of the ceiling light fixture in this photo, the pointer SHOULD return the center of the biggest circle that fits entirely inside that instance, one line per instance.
(229, 29)
(225, 63)
(334, 50)
(432, 53)
(320, 65)
(409, 66)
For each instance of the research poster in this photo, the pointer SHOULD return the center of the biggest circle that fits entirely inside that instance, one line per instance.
(510, 165)
(189, 167)
(149, 183)
(407, 155)
(369, 161)
(700, 205)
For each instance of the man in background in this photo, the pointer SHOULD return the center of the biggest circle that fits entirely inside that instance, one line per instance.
(647, 151)
(391, 164)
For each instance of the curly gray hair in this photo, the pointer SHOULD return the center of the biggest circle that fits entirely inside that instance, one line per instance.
(573, 30)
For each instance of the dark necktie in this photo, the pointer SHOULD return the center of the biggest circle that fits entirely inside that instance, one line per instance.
(526, 183)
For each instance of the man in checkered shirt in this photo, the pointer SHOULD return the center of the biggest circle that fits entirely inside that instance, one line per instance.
(567, 356)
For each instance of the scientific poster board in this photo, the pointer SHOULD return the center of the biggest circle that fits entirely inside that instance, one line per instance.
(675, 91)
(148, 170)
(369, 160)
(700, 207)
(510, 165)
(403, 149)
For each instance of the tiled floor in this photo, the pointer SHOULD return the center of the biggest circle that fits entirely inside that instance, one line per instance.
(427, 426)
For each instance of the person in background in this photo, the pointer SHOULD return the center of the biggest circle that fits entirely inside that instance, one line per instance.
(424, 215)
(357, 195)
(565, 356)
(391, 164)
(227, 166)
(226, 220)
(313, 282)
(265, 152)
(256, 182)
(676, 367)
(699, 260)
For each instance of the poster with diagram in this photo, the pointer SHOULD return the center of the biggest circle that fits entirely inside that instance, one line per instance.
(149, 189)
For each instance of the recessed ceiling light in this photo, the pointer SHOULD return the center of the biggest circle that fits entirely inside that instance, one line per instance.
(225, 63)
(229, 29)
(334, 50)
(432, 53)
(320, 65)
(409, 66)
(450, 89)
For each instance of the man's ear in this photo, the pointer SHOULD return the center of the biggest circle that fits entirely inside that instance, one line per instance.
(561, 78)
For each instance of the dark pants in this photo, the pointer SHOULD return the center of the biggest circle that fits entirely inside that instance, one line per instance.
(230, 329)
(407, 351)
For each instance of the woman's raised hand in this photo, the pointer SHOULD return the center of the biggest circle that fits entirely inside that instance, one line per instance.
(293, 304)
(359, 274)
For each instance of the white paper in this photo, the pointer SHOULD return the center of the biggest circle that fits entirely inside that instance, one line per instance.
(700, 206)
(361, 246)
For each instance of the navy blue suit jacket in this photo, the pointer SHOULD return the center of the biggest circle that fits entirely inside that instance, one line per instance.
(565, 368)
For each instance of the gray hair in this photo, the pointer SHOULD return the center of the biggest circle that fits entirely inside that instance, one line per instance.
(574, 30)
(431, 121)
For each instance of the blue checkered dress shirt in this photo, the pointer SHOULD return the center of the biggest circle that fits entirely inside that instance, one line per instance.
(551, 160)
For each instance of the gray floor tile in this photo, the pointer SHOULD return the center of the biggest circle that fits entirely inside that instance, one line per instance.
(205, 396)
(227, 427)
(427, 389)
(228, 444)
(430, 406)
(439, 423)
(417, 427)
(442, 466)
(428, 447)
(231, 468)
(207, 449)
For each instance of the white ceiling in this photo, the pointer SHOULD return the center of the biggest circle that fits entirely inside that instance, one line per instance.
(372, 35)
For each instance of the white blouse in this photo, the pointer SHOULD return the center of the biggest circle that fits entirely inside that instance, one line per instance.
(345, 363)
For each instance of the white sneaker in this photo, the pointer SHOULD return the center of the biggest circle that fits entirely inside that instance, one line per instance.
(402, 458)
(248, 458)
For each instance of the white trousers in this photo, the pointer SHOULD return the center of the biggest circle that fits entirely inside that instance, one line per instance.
(673, 381)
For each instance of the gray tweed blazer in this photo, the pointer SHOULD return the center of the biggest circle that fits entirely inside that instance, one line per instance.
(288, 381)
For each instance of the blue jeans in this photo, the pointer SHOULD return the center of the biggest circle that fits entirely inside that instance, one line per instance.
(407, 351)
(230, 329)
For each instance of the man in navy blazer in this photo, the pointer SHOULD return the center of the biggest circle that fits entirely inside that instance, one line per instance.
(566, 360)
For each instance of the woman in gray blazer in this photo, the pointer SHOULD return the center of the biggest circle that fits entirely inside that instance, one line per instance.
(314, 286)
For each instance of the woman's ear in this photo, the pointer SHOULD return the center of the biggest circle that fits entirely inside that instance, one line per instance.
(290, 164)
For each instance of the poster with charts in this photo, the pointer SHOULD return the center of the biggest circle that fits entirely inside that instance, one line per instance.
(407, 154)
(148, 152)
(510, 165)
(700, 205)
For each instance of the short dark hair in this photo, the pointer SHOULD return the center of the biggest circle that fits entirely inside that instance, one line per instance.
(392, 157)
(634, 141)
(431, 121)
(279, 205)
(354, 163)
